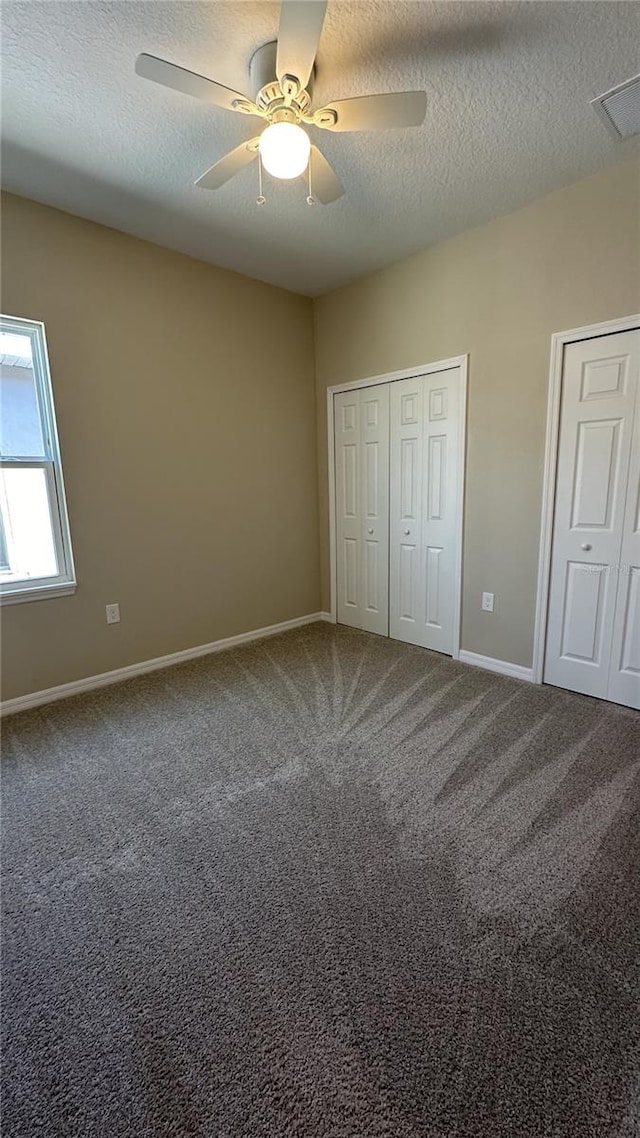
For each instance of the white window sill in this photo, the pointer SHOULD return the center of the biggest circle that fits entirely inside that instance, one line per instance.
(37, 593)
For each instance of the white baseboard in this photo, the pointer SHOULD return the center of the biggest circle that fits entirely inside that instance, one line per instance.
(63, 691)
(503, 667)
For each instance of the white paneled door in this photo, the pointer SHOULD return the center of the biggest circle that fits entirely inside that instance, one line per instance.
(424, 430)
(397, 508)
(362, 507)
(593, 636)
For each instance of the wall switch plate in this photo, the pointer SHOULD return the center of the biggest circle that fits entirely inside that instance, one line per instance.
(113, 614)
(487, 602)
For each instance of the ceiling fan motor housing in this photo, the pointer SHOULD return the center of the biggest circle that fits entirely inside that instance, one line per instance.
(273, 96)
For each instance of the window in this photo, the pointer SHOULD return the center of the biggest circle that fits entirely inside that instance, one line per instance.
(35, 547)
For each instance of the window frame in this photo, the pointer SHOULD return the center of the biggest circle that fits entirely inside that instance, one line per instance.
(64, 582)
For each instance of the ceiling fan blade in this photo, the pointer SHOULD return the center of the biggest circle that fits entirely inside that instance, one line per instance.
(189, 83)
(325, 183)
(376, 112)
(298, 35)
(231, 164)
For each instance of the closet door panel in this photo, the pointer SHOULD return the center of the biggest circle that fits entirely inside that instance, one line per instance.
(348, 493)
(424, 425)
(624, 670)
(361, 420)
(406, 451)
(590, 601)
(440, 504)
(374, 413)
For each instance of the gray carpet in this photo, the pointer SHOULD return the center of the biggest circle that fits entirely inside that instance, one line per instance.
(324, 885)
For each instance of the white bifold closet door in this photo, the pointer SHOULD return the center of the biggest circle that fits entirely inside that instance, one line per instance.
(362, 507)
(397, 493)
(593, 636)
(424, 463)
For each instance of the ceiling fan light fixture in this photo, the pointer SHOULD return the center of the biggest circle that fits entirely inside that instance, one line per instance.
(282, 76)
(285, 149)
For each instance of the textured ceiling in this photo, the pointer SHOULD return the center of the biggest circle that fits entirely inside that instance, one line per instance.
(508, 119)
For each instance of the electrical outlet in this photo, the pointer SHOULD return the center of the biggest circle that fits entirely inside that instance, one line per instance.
(487, 602)
(113, 614)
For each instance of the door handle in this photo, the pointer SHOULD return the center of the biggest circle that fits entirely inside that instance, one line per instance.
(369, 531)
(407, 532)
(585, 545)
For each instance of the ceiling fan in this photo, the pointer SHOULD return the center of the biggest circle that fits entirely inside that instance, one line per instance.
(282, 75)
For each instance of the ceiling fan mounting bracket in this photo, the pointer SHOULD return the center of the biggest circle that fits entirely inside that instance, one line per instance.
(246, 106)
(325, 117)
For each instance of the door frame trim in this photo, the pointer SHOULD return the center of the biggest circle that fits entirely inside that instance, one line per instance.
(391, 377)
(559, 340)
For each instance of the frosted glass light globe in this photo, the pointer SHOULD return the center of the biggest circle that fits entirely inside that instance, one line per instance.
(285, 149)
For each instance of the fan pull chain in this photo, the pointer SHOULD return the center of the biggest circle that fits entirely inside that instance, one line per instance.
(260, 200)
(310, 200)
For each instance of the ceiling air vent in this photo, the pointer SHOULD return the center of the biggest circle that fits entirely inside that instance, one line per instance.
(619, 108)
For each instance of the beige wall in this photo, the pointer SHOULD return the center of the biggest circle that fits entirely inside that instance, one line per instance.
(184, 396)
(499, 292)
